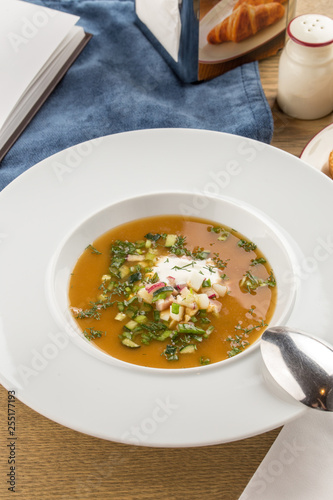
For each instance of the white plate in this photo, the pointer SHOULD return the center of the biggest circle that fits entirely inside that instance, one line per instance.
(318, 149)
(65, 383)
(229, 50)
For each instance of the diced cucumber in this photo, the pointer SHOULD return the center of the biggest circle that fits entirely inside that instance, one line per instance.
(120, 316)
(164, 335)
(124, 271)
(162, 290)
(131, 325)
(130, 343)
(189, 349)
(141, 318)
(150, 255)
(170, 240)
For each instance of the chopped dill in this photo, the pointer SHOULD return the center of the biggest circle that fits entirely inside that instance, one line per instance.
(247, 245)
(93, 250)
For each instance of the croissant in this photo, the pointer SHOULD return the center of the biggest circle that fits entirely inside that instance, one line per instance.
(255, 2)
(245, 21)
(330, 163)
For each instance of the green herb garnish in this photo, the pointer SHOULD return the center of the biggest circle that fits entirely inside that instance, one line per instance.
(247, 245)
(92, 333)
(170, 352)
(251, 282)
(259, 260)
(93, 250)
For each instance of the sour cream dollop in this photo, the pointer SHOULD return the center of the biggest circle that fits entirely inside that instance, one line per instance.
(186, 270)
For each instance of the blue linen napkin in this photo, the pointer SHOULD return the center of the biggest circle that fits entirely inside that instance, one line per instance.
(120, 83)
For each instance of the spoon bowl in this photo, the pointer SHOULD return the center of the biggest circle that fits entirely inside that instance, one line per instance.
(301, 364)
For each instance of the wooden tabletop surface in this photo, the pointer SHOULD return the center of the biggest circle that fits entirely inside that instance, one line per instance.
(54, 462)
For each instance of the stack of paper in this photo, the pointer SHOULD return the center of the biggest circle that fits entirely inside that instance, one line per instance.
(37, 46)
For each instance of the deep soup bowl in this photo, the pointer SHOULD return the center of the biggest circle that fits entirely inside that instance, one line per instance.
(253, 224)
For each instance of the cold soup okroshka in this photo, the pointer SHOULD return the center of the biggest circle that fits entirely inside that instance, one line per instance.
(172, 292)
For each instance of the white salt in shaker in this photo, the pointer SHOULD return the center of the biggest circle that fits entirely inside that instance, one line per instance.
(305, 85)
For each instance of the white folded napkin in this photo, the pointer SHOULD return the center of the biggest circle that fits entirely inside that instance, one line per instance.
(162, 17)
(299, 465)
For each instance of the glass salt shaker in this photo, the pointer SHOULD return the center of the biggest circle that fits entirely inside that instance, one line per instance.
(305, 85)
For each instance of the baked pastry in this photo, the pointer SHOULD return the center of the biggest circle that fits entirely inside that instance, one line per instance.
(255, 2)
(245, 21)
(330, 163)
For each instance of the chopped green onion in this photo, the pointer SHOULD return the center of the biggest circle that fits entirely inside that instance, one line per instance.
(175, 308)
(164, 335)
(190, 329)
(209, 330)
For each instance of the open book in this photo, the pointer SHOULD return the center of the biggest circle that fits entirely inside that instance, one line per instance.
(37, 47)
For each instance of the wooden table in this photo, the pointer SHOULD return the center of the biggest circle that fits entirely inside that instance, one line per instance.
(53, 462)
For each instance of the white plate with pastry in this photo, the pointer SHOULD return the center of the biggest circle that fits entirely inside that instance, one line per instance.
(215, 26)
(319, 151)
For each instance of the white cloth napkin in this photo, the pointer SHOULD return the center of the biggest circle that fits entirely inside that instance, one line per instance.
(299, 465)
(162, 17)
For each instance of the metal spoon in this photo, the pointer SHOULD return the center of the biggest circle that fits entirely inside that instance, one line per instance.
(302, 365)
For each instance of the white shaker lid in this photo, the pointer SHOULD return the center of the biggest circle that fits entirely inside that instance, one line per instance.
(312, 30)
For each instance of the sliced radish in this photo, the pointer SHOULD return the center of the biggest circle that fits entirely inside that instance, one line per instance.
(154, 287)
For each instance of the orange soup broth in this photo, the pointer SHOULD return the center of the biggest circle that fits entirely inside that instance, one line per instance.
(238, 307)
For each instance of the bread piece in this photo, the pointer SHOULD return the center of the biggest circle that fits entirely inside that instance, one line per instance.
(245, 21)
(330, 164)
